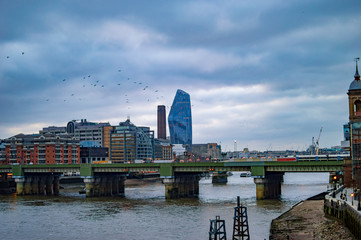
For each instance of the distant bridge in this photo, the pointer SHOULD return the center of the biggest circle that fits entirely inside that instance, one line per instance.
(180, 179)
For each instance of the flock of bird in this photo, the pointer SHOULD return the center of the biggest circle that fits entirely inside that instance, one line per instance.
(127, 85)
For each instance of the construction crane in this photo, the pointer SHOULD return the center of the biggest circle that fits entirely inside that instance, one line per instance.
(317, 146)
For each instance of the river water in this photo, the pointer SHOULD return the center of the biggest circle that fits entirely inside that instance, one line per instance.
(144, 213)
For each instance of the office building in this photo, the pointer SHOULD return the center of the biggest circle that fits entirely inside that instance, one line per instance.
(129, 143)
(180, 120)
(163, 150)
(94, 155)
(90, 134)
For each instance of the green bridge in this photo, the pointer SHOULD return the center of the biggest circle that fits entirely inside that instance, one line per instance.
(180, 179)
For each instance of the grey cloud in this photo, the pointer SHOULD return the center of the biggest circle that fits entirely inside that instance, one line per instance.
(302, 52)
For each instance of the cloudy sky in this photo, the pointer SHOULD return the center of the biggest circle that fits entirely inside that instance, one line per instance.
(268, 74)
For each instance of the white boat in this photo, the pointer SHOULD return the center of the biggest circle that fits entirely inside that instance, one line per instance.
(245, 174)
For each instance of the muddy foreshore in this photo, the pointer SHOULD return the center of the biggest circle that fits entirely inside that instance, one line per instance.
(306, 220)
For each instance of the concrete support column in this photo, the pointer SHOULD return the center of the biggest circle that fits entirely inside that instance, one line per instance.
(196, 186)
(260, 188)
(102, 186)
(171, 188)
(181, 186)
(27, 185)
(34, 185)
(97, 185)
(121, 185)
(20, 186)
(269, 187)
(115, 185)
(105, 184)
(89, 187)
(41, 185)
(190, 186)
(109, 185)
(56, 185)
(49, 185)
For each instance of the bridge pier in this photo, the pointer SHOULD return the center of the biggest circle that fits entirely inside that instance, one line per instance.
(27, 185)
(20, 185)
(48, 185)
(269, 186)
(89, 187)
(56, 185)
(104, 185)
(37, 184)
(181, 186)
(219, 177)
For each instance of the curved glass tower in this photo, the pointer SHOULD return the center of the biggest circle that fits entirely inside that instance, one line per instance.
(180, 120)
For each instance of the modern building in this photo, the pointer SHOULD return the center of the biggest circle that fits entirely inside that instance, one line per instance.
(94, 155)
(163, 150)
(107, 130)
(161, 126)
(129, 143)
(47, 148)
(180, 120)
(88, 133)
(354, 98)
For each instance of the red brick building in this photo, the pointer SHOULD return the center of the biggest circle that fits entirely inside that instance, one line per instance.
(40, 149)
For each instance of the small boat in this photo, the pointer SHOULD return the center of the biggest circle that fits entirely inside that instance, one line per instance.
(245, 174)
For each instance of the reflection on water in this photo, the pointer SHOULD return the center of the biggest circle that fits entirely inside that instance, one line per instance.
(144, 213)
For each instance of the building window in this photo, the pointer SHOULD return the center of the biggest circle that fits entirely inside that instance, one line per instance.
(357, 108)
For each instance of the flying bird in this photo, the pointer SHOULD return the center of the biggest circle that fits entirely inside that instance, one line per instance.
(102, 85)
(119, 84)
(119, 70)
(88, 76)
(7, 57)
(22, 53)
(64, 80)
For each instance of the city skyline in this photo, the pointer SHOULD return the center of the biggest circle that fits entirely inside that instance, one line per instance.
(267, 74)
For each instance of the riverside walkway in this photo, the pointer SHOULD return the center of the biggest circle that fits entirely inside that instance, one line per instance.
(344, 204)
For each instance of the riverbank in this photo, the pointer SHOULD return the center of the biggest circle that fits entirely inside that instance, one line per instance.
(306, 220)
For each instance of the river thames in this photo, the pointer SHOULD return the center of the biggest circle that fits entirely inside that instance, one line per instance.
(144, 213)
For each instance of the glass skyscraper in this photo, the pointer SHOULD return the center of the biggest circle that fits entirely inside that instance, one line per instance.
(180, 120)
